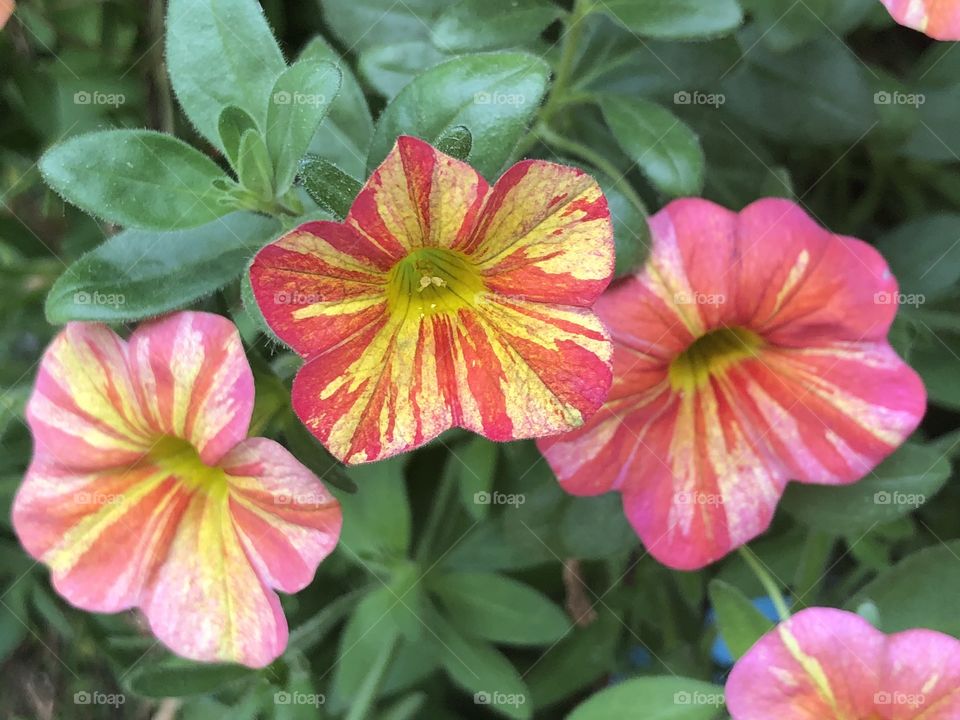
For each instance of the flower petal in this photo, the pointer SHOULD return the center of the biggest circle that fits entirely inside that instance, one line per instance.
(83, 412)
(821, 664)
(206, 601)
(831, 412)
(320, 284)
(545, 235)
(287, 520)
(508, 370)
(102, 534)
(193, 380)
(921, 676)
(418, 197)
(940, 19)
(798, 284)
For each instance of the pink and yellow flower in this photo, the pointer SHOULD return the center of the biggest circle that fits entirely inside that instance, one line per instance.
(442, 302)
(750, 350)
(144, 490)
(940, 19)
(825, 664)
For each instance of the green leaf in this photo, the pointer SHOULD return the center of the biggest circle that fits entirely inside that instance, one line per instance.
(662, 698)
(494, 94)
(136, 177)
(631, 232)
(14, 617)
(370, 23)
(173, 677)
(739, 621)
(313, 631)
(500, 609)
(370, 627)
(300, 99)
(478, 668)
(299, 700)
(13, 400)
(816, 94)
(667, 151)
(344, 135)
(456, 142)
(675, 19)
(231, 126)
(924, 255)
(900, 484)
(596, 527)
(490, 24)
(582, 657)
(390, 68)
(918, 592)
(376, 519)
(787, 23)
(329, 186)
(936, 357)
(474, 466)
(138, 274)
(220, 53)
(255, 170)
(407, 708)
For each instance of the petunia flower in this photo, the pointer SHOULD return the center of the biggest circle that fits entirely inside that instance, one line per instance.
(940, 19)
(144, 490)
(442, 302)
(749, 351)
(826, 664)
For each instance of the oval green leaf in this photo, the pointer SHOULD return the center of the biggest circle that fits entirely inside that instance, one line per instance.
(493, 94)
(138, 274)
(136, 178)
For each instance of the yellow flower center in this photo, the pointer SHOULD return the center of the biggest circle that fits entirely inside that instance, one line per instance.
(179, 458)
(431, 280)
(711, 355)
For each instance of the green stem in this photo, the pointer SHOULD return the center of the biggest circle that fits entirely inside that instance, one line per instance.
(769, 585)
(594, 158)
(573, 30)
(568, 56)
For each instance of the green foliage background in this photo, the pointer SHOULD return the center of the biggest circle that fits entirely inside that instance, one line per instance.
(433, 596)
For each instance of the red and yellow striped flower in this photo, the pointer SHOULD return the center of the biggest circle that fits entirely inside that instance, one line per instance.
(442, 302)
(144, 490)
(749, 351)
(940, 19)
(825, 664)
